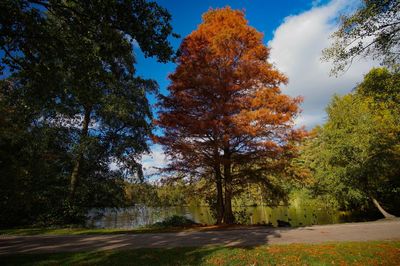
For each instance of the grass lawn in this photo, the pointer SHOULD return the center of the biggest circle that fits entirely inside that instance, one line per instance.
(87, 231)
(77, 231)
(358, 253)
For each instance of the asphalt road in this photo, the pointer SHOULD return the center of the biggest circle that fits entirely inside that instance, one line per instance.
(253, 236)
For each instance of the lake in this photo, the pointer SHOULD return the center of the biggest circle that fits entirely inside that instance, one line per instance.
(139, 215)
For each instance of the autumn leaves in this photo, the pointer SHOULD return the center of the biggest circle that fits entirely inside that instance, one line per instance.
(225, 118)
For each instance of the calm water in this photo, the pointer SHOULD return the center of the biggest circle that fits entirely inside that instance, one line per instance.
(139, 216)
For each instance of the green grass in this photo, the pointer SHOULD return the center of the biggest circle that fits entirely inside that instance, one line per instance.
(357, 253)
(85, 231)
(171, 224)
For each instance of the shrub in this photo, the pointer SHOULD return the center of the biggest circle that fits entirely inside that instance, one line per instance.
(175, 221)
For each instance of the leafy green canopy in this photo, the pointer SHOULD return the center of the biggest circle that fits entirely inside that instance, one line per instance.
(71, 103)
(355, 155)
(373, 30)
(70, 57)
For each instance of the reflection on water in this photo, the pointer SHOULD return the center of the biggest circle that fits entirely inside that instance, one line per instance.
(139, 215)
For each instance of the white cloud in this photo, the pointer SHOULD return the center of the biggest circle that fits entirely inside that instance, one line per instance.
(114, 165)
(150, 162)
(156, 159)
(296, 51)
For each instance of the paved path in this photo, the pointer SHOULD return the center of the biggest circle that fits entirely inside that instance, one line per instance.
(379, 230)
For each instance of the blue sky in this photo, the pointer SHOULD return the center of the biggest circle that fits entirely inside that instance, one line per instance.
(265, 16)
(295, 30)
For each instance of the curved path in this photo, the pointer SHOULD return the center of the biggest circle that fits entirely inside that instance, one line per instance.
(379, 230)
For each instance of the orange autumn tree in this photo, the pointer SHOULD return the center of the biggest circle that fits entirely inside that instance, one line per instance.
(225, 116)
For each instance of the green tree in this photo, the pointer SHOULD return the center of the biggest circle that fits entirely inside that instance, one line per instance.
(373, 30)
(142, 193)
(354, 155)
(383, 86)
(71, 66)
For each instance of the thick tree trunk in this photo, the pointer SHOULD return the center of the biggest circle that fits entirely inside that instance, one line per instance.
(220, 196)
(78, 161)
(228, 214)
(384, 213)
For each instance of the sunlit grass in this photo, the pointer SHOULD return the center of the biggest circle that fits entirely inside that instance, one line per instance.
(356, 253)
(87, 231)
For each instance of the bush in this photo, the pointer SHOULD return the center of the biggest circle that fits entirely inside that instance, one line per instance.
(175, 221)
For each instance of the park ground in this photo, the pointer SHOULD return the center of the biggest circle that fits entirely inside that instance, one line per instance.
(372, 243)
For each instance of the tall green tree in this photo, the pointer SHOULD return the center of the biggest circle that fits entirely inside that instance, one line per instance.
(72, 65)
(383, 86)
(372, 30)
(355, 155)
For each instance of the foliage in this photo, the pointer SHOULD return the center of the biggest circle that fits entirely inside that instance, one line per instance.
(242, 216)
(354, 155)
(383, 86)
(71, 104)
(142, 193)
(373, 30)
(357, 253)
(305, 197)
(178, 193)
(228, 122)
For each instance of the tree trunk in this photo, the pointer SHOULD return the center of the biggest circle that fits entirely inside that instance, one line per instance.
(384, 213)
(228, 214)
(220, 196)
(78, 161)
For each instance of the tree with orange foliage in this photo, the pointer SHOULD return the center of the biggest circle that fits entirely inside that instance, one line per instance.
(225, 114)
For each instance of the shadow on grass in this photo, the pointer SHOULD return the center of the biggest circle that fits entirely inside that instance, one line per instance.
(361, 253)
(82, 231)
(175, 256)
(215, 247)
(79, 243)
(144, 230)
